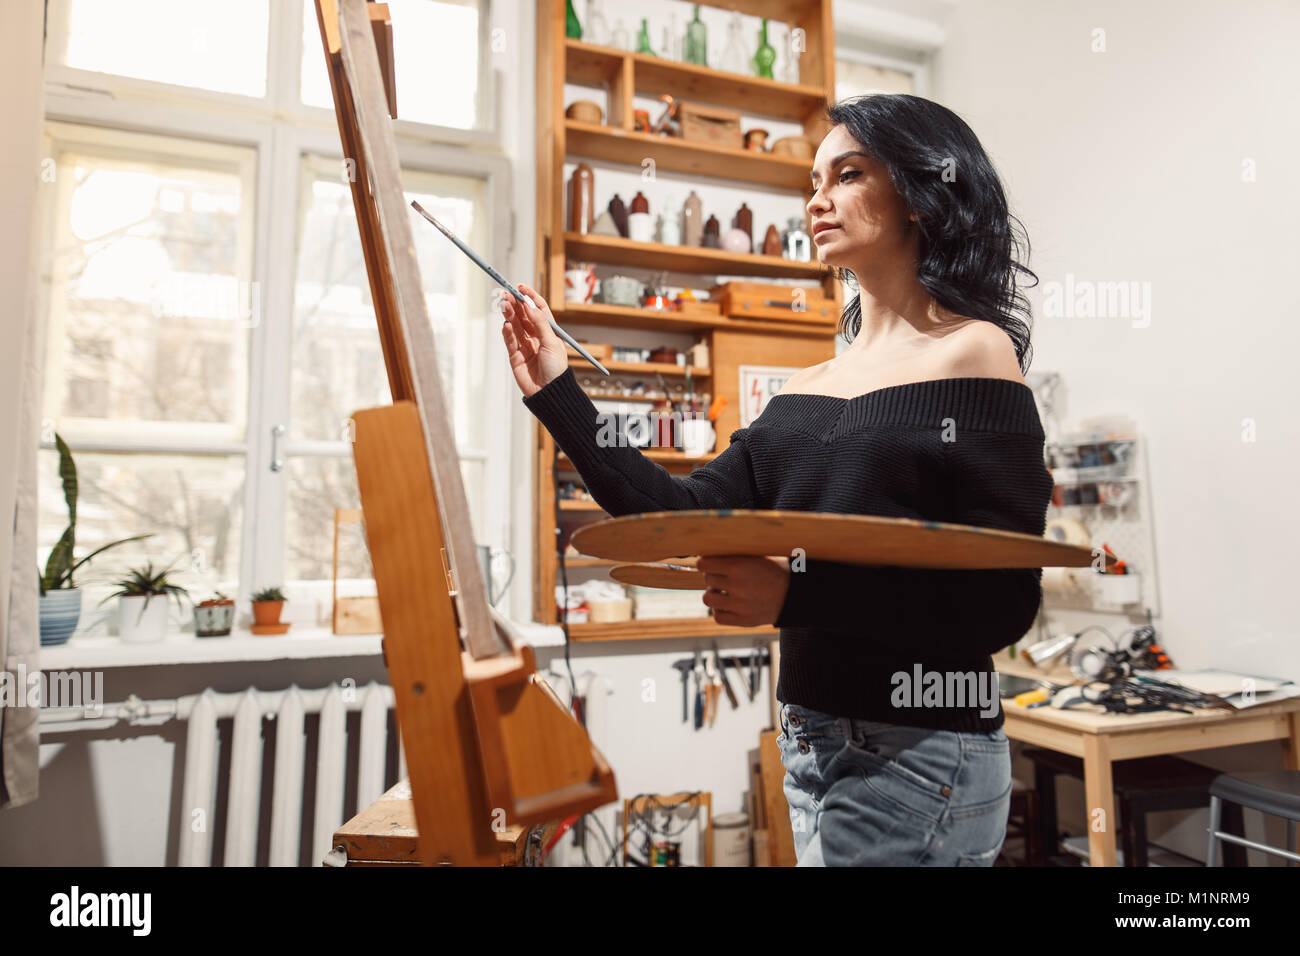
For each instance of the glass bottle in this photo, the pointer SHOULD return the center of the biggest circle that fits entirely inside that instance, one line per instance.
(696, 48)
(572, 28)
(597, 29)
(643, 40)
(765, 55)
(789, 72)
(734, 59)
(620, 38)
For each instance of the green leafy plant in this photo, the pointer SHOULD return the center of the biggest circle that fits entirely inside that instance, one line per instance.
(147, 582)
(268, 594)
(60, 566)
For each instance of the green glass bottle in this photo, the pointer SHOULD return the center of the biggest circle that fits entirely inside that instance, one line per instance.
(643, 40)
(765, 56)
(572, 28)
(696, 47)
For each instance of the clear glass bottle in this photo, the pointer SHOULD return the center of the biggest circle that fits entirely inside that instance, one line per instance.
(789, 69)
(597, 30)
(620, 38)
(734, 58)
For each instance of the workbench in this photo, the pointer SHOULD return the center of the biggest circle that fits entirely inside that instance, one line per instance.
(1100, 738)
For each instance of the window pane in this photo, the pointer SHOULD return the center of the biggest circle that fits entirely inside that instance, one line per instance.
(193, 505)
(435, 49)
(149, 298)
(319, 484)
(853, 78)
(338, 366)
(213, 46)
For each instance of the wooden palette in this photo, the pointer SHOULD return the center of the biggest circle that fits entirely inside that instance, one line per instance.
(671, 577)
(848, 539)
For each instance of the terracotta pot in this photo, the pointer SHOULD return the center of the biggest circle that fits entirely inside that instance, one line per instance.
(267, 612)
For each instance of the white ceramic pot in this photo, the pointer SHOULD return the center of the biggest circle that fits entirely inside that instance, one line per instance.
(139, 622)
(698, 436)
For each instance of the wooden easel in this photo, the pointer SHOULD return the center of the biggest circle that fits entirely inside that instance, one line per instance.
(488, 743)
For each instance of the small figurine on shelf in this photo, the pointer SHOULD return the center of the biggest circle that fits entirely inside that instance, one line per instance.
(734, 58)
(572, 28)
(643, 40)
(696, 47)
(765, 55)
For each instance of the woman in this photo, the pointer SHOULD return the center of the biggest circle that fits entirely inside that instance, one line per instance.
(892, 734)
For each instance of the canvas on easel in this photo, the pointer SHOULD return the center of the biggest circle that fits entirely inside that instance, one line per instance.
(487, 742)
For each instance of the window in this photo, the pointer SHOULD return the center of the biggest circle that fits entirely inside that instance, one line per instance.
(423, 61)
(211, 46)
(206, 284)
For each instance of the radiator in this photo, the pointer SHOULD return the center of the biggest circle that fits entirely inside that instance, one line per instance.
(289, 709)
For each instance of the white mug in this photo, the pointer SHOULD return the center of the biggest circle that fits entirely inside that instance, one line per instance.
(579, 285)
(698, 436)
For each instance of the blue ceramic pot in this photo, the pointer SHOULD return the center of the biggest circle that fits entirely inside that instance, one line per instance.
(60, 612)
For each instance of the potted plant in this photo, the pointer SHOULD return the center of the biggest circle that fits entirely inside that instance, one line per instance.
(267, 604)
(214, 617)
(141, 618)
(60, 596)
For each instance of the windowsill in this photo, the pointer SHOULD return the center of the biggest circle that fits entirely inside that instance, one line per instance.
(302, 642)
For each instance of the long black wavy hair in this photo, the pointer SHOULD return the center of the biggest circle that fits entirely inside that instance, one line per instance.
(971, 245)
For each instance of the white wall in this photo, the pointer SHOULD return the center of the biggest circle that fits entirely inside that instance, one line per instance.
(1126, 165)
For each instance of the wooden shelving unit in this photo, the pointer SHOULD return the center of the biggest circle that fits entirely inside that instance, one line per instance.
(733, 341)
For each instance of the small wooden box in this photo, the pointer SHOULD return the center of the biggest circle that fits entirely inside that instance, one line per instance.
(600, 351)
(760, 300)
(710, 124)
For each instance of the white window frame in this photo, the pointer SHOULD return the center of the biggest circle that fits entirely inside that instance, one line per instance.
(280, 130)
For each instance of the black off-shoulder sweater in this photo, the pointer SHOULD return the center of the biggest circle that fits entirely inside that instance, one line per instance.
(963, 450)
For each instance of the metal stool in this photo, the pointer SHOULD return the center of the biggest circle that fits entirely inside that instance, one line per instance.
(1275, 792)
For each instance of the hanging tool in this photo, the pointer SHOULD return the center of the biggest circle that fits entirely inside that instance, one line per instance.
(684, 667)
(755, 672)
(724, 679)
(698, 672)
(711, 692)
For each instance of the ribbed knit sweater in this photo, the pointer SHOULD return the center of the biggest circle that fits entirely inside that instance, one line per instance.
(897, 645)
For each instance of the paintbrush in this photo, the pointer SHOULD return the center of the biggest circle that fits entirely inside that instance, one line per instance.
(500, 280)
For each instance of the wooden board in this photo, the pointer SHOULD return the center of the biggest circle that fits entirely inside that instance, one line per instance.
(849, 539)
(780, 835)
(658, 576)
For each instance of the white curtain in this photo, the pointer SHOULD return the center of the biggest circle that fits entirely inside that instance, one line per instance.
(21, 108)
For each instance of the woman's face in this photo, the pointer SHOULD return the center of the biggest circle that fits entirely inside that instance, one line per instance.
(853, 196)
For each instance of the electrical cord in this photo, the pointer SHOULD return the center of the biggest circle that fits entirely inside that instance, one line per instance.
(580, 712)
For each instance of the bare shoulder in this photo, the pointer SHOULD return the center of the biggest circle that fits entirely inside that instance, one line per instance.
(980, 349)
(798, 382)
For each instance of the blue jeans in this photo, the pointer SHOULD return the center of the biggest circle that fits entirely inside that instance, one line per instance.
(864, 793)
